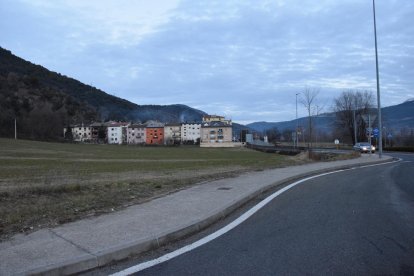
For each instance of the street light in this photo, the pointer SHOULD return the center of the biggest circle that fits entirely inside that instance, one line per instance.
(378, 86)
(296, 131)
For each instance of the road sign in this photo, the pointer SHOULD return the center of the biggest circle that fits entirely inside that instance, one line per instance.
(389, 136)
(375, 132)
(368, 118)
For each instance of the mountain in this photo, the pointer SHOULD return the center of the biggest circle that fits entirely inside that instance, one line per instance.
(166, 113)
(399, 116)
(43, 102)
(106, 105)
(394, 117)
(324, 122)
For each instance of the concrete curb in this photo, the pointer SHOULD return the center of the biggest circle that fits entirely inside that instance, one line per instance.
(91, 261)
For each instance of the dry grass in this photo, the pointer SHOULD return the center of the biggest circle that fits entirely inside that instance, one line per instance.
(46, 184)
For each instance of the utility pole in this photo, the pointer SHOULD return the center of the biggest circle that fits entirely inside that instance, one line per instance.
(15, 128)
(378, 85)
(369, 134)
(355, 132)
(296, 131)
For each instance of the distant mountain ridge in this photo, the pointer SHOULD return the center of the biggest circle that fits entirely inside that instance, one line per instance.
(393, 117)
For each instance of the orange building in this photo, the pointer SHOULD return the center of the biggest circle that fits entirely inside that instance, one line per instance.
(154, 133)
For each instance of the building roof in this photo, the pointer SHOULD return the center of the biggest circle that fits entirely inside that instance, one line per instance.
(154, 124)
(191, 123)
(213, 116)
(173, 124)
(97, 124)
(216, 124)
(137, 126)
(117, 124)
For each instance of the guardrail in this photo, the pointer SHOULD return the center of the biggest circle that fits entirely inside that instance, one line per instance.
(287, 150)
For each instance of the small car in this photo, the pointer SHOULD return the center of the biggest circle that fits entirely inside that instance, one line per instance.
(364, 147)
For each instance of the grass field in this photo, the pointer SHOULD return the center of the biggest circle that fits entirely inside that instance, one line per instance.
(45, 184)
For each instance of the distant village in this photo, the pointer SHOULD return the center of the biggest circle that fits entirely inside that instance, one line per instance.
(213, 131)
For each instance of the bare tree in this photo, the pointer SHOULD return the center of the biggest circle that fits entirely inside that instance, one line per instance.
(308, 99)
(345, 105)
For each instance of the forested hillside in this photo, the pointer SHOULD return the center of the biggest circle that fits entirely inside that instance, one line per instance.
(43, 102)
(40, 111)
(107, 105)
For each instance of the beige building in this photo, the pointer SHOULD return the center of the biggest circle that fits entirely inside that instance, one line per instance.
(215, 118)
(136, 134)
(172, 134)
(216, 132)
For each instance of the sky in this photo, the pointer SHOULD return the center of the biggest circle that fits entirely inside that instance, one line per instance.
(244, 59)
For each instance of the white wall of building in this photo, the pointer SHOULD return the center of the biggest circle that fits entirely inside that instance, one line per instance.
(114, 134)
(190, 132)
(81, 133)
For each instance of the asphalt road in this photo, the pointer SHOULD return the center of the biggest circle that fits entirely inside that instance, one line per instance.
(355, 222)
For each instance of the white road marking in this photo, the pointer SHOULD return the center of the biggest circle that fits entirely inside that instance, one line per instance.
(227, 228)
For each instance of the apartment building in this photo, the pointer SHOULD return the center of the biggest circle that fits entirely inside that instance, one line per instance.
(80, 133)
(190, 133)
(172, 134)
(117, 132)
(136, 134)
(154, 133)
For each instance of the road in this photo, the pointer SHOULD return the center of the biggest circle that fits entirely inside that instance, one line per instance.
(354, 222)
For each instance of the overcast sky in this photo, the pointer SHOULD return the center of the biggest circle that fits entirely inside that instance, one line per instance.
(242, 59)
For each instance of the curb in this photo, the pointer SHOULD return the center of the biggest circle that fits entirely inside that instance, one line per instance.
(90, 261)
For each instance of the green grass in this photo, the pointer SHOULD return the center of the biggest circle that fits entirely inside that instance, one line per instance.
(44, 184)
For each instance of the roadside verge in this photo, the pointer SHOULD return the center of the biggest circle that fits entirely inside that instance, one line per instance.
(90, 243)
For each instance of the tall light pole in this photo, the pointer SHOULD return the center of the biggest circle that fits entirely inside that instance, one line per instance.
(378, 86)
(296, 131)
(355, 131)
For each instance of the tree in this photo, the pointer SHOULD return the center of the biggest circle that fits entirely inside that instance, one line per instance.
(308, 99)
(68, 133)
(287, 135)
(273, 134)
(345, 105)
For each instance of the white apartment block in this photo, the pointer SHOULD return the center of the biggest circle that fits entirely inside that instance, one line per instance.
(190, 132)
(80, 133)
(117, 133)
